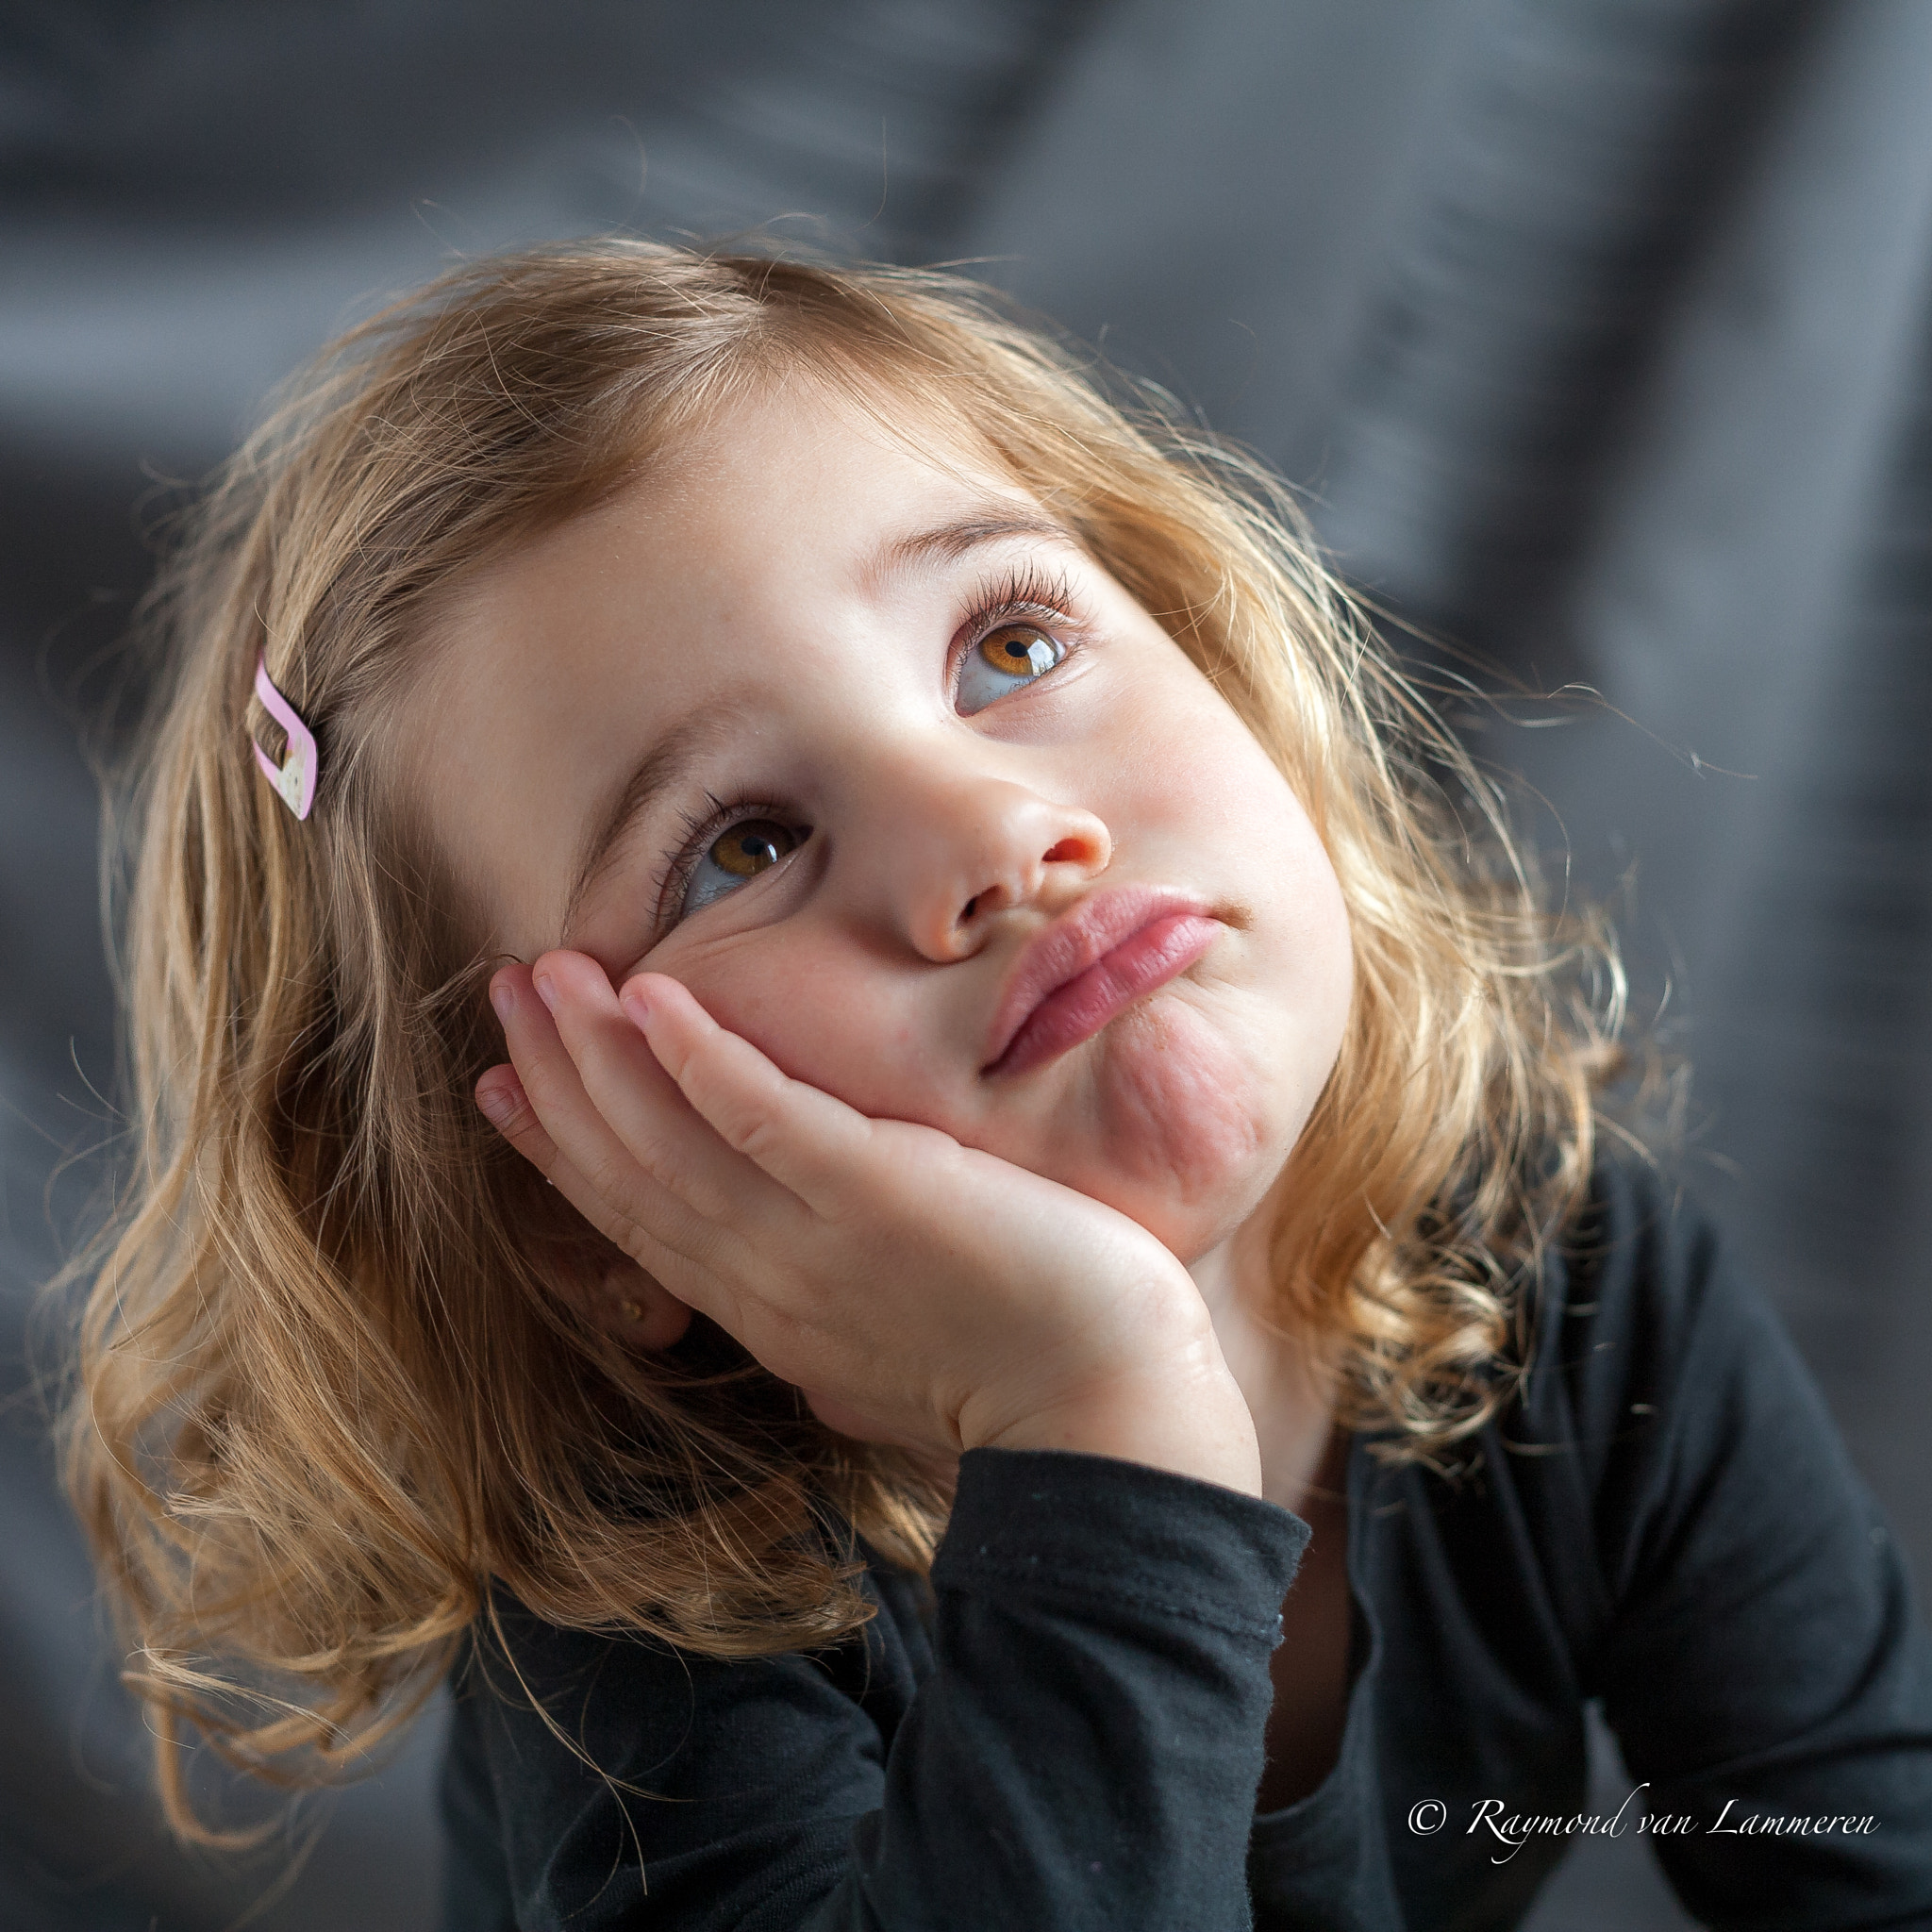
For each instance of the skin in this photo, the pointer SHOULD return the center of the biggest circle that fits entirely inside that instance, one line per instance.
(778, 1107)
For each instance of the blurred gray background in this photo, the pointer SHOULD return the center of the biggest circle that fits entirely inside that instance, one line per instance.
(1596, 332)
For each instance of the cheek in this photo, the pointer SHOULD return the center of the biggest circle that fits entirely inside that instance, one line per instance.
(816, 1014)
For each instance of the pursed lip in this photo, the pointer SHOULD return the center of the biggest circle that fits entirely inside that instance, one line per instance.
(1079, 939)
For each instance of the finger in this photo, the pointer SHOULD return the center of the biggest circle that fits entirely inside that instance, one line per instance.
(800, 1134)
(642, 1311)
(506, 1108)
(572, 1144)
(641, 1104)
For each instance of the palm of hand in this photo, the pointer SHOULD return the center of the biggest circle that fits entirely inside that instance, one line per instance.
(917, 1291)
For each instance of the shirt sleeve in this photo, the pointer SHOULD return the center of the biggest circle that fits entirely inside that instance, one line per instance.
(1763, 1662)
(1083, 1749)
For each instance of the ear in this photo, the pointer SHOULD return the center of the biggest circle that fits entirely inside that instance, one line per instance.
(629, 1306)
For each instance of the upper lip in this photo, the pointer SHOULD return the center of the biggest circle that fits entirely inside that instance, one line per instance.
(1086, 932)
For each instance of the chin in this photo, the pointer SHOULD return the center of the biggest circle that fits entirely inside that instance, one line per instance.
(1193, 1133)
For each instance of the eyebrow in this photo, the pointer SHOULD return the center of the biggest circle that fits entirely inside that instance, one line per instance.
(665, 763)
(995, 521)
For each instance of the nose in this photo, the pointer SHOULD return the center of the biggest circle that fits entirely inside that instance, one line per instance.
(959, 854)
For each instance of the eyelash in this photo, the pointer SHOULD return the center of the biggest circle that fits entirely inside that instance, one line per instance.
(696, 831)
(1022, 595)
(1029, 595)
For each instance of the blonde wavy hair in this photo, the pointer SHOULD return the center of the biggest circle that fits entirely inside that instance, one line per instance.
(329, 1390)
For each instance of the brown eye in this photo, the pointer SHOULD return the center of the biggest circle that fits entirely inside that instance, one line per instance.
(749, 848)
(739, 852)
(1019, 649)
(1004, 659)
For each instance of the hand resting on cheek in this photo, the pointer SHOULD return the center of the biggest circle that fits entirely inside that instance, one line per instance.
(916, 1291)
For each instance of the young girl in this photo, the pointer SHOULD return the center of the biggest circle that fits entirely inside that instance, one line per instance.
(1043, 1336)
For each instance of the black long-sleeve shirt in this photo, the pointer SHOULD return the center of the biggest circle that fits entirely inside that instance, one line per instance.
(1066, 1731)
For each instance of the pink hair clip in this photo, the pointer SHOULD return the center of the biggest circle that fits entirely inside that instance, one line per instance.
(295, 777)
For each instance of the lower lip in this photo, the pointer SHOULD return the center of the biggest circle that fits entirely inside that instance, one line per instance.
(1144, 961)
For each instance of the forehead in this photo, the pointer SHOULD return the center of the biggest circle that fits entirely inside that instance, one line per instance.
(793, 470)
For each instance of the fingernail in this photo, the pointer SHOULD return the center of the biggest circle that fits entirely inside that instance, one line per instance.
(503, 996)
(637, 1006)
(498, 1103)
(546, 993)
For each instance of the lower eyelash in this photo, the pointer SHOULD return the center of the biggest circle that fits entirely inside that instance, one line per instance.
(697, 828)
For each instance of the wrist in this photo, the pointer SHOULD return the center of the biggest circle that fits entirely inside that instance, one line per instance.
(1192, 1421)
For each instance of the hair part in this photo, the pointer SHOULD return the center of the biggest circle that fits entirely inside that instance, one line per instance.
(329, 1393)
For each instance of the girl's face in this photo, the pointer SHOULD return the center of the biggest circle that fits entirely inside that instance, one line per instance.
(858, 743)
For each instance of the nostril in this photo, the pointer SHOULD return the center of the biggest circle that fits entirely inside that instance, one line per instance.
(1066, 851)
(972, 905)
